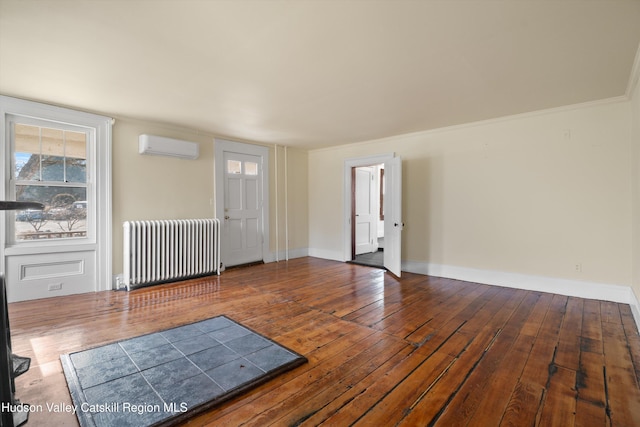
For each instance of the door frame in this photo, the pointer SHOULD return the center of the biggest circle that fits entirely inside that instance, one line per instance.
(354, 195)
(349, 164)
(222, 146)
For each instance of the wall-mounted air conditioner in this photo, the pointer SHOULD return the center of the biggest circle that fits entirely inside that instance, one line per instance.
(161, 146)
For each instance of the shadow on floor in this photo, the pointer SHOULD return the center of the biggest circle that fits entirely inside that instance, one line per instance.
(373, 259)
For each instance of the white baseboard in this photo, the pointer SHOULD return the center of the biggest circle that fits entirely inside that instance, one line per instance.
(321, 253)
(282, 255)
(635, 307)
(575, 288)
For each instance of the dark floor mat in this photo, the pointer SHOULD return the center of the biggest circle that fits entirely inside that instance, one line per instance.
(165, 377)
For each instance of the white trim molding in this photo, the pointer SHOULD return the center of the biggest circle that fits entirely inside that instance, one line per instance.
(280, 255)
(100, 127)
(220, 147)
(634, 303)
(553, 285)
(575, 288)
(346, 194)
(327, 254)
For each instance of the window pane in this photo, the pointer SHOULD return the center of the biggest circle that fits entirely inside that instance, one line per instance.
(52, 168)
(49, 154)
(27, 166)
(76, 170)
(52, 142)
(27, 152)
(76, 155)
(234, 166)
(250, 168)
(27, 138)
(64, 215)
(76, 145)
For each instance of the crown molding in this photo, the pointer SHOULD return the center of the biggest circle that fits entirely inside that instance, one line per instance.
(486, 122)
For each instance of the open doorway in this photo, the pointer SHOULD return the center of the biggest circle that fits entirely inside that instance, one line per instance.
(392, 208)
(367, 202)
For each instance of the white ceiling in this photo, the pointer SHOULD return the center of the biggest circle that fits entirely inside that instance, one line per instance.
(316, 73)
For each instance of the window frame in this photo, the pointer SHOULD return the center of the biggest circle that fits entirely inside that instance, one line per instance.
(11, 241)
(101, 242)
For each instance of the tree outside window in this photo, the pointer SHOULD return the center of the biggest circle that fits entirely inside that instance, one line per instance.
(50, 166)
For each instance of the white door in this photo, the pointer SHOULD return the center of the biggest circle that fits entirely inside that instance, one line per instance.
(366, 215)
(393, 224)
(243, 201)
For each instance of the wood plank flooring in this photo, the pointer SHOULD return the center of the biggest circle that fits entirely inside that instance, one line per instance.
(412, 352)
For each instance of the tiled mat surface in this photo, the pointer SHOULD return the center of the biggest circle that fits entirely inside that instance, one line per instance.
(165, 377)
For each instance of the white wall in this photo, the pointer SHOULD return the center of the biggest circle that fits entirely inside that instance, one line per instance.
(539, 196)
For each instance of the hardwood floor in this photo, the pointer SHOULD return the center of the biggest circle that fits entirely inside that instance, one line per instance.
(413, 352)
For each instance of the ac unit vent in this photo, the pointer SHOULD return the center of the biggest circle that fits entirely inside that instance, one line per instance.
(161, 146)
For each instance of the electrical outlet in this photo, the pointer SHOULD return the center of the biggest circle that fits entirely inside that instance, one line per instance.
(55, 286)
(579, 267)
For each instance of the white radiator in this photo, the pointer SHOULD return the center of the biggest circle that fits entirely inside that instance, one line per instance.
(164, 251)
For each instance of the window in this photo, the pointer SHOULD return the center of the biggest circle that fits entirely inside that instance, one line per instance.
(250, 168)
(61, 158)
(49, 163)
(235, 167)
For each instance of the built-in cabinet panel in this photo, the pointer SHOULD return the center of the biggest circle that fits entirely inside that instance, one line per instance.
(35, 276)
